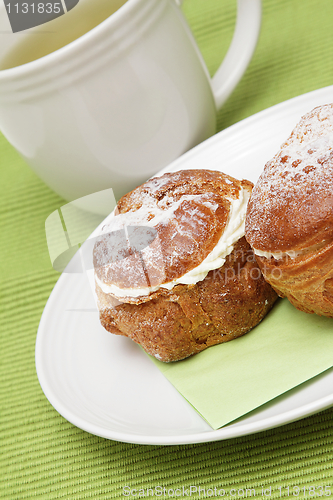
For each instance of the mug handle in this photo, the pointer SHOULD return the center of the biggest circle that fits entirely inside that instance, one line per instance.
(240, 52)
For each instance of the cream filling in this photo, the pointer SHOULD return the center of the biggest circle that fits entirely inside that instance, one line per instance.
(276, 255)
(235, 229)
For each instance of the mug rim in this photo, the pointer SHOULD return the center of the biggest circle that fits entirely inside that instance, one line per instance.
(73, 48)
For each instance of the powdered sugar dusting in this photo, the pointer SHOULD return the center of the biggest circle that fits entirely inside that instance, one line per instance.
(294, 194)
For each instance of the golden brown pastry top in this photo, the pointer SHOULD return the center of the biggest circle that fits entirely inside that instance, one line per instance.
(188, 212)
(291, 206)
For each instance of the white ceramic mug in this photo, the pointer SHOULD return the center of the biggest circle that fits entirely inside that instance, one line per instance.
(120, 102)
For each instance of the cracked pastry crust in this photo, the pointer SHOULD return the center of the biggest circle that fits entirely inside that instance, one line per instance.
(176, 322)
(289, 222)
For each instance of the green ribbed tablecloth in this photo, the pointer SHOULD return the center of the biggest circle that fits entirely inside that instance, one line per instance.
(43, 455)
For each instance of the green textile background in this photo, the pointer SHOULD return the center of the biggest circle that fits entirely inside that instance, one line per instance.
(44, 456)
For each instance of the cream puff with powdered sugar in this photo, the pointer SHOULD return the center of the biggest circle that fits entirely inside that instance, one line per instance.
(289, 220)
(173, 270)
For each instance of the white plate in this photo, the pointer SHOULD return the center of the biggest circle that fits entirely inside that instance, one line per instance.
(105, 384)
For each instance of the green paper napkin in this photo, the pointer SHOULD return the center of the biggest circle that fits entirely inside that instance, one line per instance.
(229, 380)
